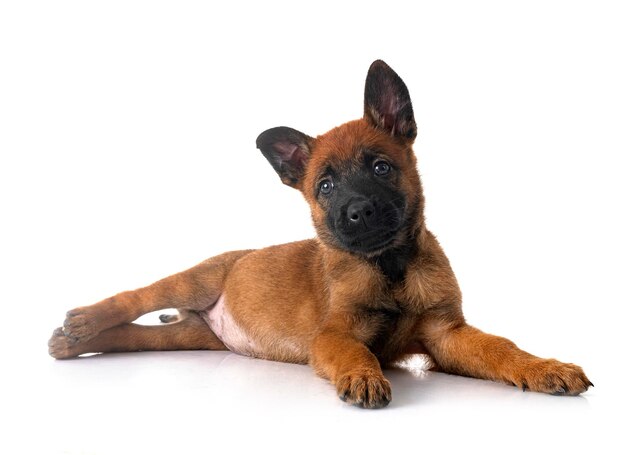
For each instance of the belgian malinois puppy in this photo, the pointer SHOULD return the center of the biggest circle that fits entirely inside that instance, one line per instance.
(372, 288)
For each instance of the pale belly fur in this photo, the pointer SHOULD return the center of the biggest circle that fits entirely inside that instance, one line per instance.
(220, 321)
(271, 344)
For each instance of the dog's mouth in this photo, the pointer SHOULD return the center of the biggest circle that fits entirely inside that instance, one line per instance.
(370, 243)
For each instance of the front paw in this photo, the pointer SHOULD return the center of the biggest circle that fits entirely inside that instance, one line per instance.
(552, 376)
(364, 388)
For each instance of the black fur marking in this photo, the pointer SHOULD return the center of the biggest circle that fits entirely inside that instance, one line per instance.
(393, 262)
(387, 319)
(365, 212)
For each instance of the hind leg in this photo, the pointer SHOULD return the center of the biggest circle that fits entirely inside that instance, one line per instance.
(190, 333)
(195, 289)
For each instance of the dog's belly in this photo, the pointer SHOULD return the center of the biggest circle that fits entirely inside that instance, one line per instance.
(221, 322)
(274, 343)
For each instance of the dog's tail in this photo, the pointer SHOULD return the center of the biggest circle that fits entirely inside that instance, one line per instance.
(169, 318)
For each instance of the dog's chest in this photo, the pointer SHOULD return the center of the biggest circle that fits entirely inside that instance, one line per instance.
(386, 328)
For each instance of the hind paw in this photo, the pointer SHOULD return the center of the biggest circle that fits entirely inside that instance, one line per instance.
(80, 325)
(60, 346)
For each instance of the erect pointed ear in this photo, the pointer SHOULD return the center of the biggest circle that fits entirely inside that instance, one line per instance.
(387, 102)
(287, 150)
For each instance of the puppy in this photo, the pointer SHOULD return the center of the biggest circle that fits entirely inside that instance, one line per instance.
(373, 287)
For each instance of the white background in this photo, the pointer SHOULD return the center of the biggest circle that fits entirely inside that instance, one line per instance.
(127, 153)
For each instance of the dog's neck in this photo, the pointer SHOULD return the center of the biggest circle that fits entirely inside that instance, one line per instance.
(394, 261)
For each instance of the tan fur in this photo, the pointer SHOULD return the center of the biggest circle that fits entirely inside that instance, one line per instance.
(311, 302)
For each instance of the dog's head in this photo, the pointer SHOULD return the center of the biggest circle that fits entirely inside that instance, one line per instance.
(360, 178)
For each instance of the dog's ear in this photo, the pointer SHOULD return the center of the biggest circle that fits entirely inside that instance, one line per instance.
(387, 102)
(288, 152)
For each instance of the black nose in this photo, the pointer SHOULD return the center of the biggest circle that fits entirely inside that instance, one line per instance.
(360, 211)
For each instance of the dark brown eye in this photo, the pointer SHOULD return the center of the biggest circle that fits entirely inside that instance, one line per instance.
(326, 187)
(382, 168)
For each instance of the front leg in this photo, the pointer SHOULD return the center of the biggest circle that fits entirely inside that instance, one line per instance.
(461, 349)
(336, 354)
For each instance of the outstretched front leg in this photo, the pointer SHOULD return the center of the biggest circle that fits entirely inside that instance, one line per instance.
(194, 289)
(461, 349)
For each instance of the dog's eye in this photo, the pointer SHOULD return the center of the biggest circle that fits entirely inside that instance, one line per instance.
(326, 186)
(381, 168)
